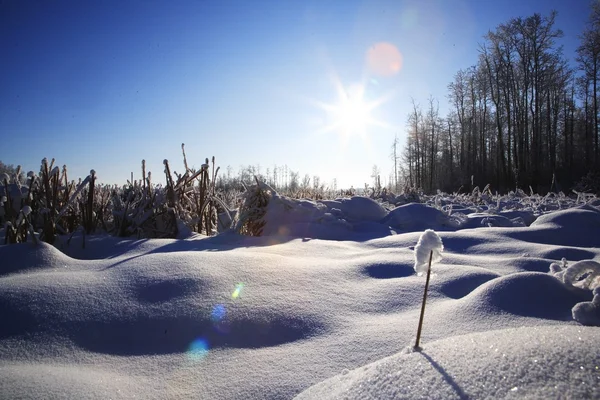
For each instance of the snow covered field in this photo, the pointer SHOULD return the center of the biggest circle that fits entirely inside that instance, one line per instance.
(325, 305)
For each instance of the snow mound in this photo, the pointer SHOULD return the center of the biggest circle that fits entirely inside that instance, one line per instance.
(526, 216)
(477, 220)
(358, 208)
(534, 362)
(418, 217)
(584, 217)
(588, 312)
(26, 257)
(576, 227)
(526, 294)
(463, 280)
(328, 219)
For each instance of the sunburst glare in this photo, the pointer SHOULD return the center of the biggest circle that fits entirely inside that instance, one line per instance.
(352, 112)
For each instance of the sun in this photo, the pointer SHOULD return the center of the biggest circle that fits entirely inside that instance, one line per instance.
(351, 115)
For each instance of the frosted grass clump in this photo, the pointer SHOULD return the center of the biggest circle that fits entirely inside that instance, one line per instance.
(584, 275)
(429, 242)
(558, 270)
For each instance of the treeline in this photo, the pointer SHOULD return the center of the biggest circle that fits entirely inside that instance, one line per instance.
(522, 116)
(282, 178)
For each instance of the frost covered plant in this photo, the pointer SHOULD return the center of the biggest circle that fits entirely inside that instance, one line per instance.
(16, 230)
(427, 251)
(559, 269)
(584, 275)
(194, 196)
(252, 212)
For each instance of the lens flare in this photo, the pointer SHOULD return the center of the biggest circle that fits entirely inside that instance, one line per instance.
(198, 349)
(218, 313)
(238, 290)
(384, 59)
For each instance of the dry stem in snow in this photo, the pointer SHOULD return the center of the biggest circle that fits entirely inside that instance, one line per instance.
(427, 251)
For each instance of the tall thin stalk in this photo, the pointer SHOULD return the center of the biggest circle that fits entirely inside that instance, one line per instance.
(424, 301)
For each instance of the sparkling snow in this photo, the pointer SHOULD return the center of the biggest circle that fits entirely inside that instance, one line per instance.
(325, 306)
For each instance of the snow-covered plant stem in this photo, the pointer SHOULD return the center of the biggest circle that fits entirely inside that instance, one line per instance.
(427, 251)
(417, 347)
(88, 211)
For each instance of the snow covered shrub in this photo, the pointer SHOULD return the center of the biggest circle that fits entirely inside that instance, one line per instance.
(590, 183)
(196, 205)
(47, 203)
(409, 194)
(251, 215)
(139, 210)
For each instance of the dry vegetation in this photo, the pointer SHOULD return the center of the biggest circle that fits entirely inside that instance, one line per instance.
(47, 206)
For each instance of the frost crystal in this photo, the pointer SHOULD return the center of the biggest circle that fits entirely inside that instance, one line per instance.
(428, 242)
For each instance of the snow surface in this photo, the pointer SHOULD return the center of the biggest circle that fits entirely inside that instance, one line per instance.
(294, 313)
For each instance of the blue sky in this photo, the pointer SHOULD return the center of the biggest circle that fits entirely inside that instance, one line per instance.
(105, 84)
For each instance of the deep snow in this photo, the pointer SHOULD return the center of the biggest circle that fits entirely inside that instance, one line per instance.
(325, 306)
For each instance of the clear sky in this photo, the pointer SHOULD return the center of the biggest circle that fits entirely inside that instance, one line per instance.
(322, 86)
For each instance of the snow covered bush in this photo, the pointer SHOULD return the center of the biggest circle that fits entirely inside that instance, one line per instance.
(47, 204)
(188, 203)
(251, 215)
